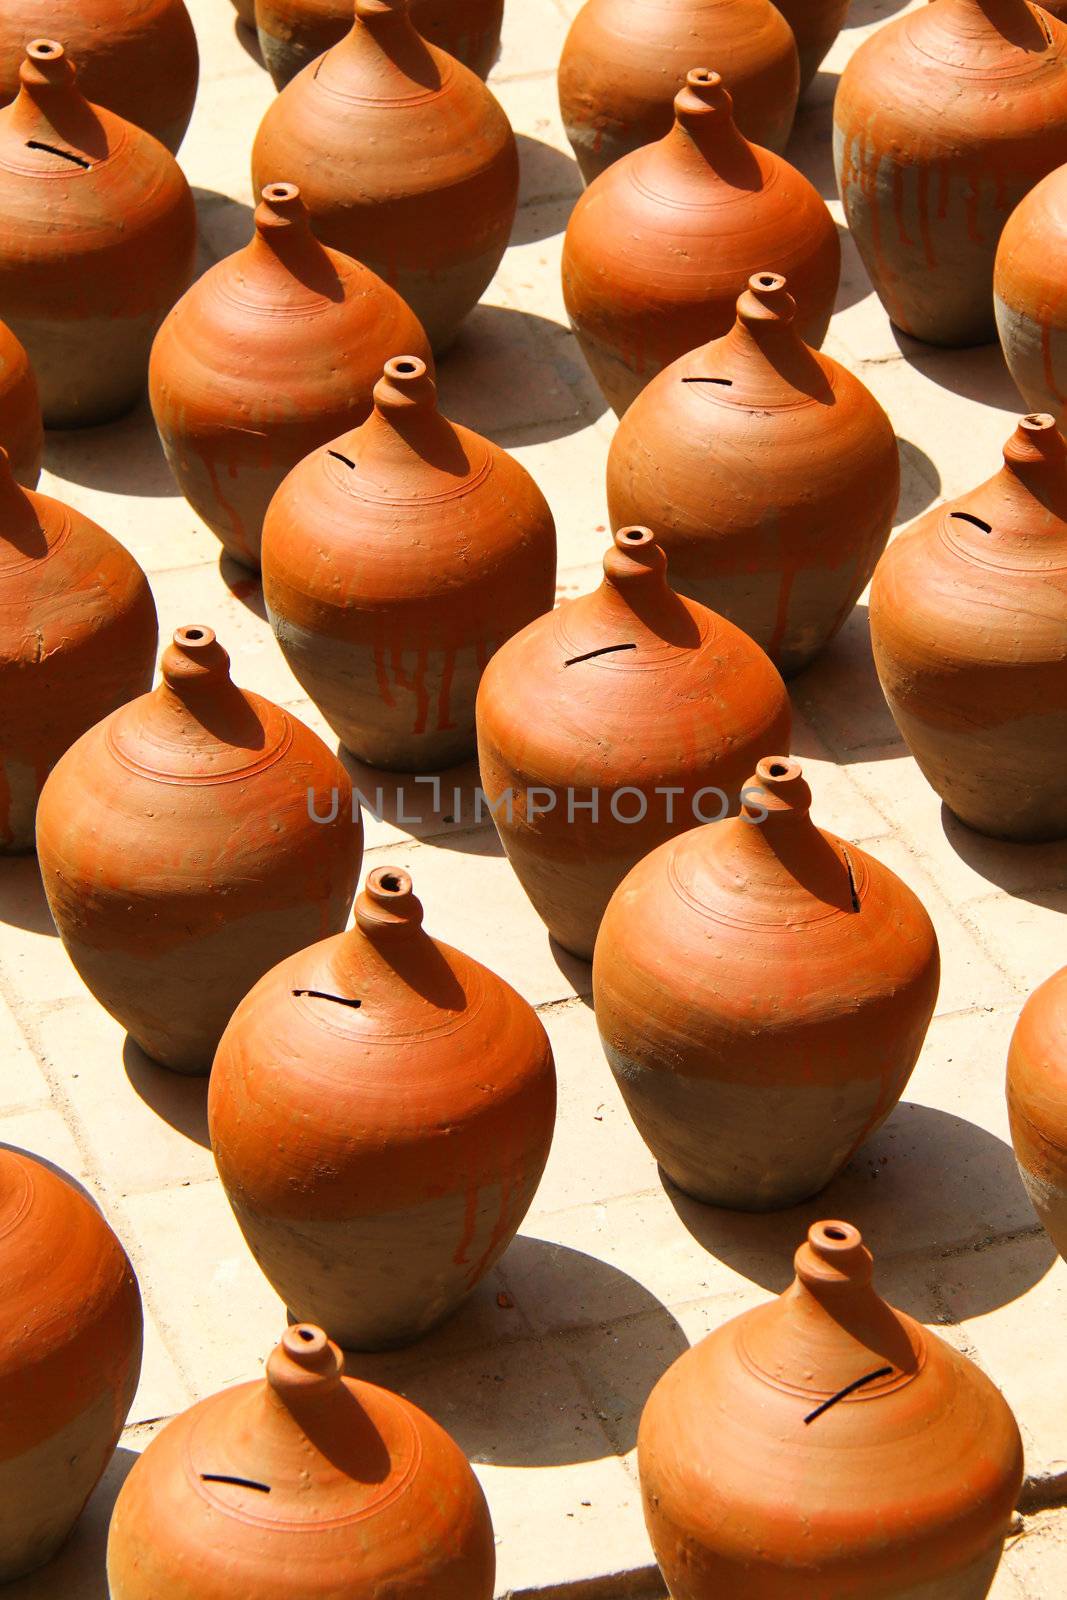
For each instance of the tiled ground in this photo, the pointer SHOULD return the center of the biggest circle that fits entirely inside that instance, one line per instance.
(611, 1277)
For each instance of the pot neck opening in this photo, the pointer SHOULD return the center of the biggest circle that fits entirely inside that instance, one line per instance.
(284, 244)
(405, 428)
(834, 1271)
(51, 114)
(635, 589)
(776, 826)
(765, 336)
(1036, 458)
(705, 135)
(197, 689)
(308, 1402)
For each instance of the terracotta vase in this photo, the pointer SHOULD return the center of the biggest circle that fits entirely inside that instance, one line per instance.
(969, 628)
(769, 473)
(396, 560)
(624, 62)
(274, 351)
(187, 843)
(1030, 296)
(405, 161)
(370, 1044)
(658, 249)
(610, 725)
(762, 992)
(136, 57)
(97, 241)
(815, 24)
(294, 32)
(944, 119)
(1037, 1103)
(303, 1483)
(21, 427)
(826, 1444)
(77, 639)
(70, 1356)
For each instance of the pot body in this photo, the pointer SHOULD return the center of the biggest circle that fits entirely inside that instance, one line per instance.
(771, 476)
(1030, 298)
(815, 24)
(1037, 1104)
(758, 1037)
(367, 1496)
(625, 60)
(943, 121)
(396, 561)
(21, 427)
(136, 57)
(294, 32)
(94, 250)
(176, 884)
(968, 616)
(249, 375)
(70, 1357)
(381, 1155)
(659, 247)
(246, 12)
(405, 161)
(77, 639)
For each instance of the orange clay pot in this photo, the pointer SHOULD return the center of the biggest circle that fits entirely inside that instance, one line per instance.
(272, 352)
(70, 1356)
(97, 240)
(294, 32)
(815, 24)
(331, 1090)
(659, 248)
(21, 427)
(187, 843)
(769, 473)
(762, 992)
(827, 1445)
(943, 120)
(395, 562)
(77, 638)
(405, 161)
(301, 1483)
(969, 628)
(614, 723)
(1037, 1103)
(625, 60)
(1030, 296)
(136, 57)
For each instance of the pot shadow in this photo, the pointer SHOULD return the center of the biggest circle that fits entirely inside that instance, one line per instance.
(863, 13)
(179, 1098)
(975, 372)
(248, 39)
(443, 809)
(854, 284)
(517, 378)
(810, 148)
(1033, 872)
(244, 584)
(920, 483)
(79, 1569)
(226, 224)
(549, 185)
(539, 1391)
(123, 457)
(839, 693)
(578, 973)
(926, 1181)
(22, 898)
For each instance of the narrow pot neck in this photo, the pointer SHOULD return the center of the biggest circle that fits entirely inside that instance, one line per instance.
(635, 598)
(386, 51)
(51, 113)
(705, 142)
(284, 260)
(763, 354)
(405, 434)
(22, 535)
(197, 703)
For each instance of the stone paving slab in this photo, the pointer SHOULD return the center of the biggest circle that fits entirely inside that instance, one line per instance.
(542, 1375)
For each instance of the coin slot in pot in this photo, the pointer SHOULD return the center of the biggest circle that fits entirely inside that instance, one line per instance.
(54, 150)
(591, 655)
(337, 456)
(835, 1233)
(727, 383)
(976, 522)
(850, 1388)
(319, 994)
(240, 1483)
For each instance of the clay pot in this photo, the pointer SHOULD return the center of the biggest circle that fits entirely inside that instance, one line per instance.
(1030, 297)
(762, 992)
(21, 427)
(1037, 1104)
(944, 119)
(624, 62)
(658, 249)
(396, 560)
(610, 725)
(294, 32)
(371, 1044)
(826, 1444)
(70, 1356)
(97, 241)
(969, 629)
(769, 473)
(405, 161)
(246, 12)
(187, 843)
(136, 57)
(301, 1483)
(815, 24)
(271, 353)
(77, 639)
